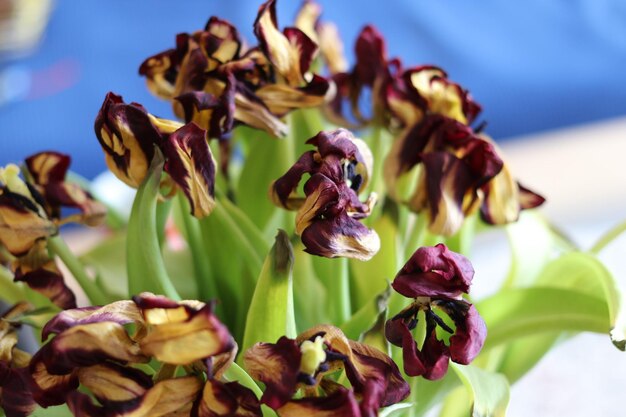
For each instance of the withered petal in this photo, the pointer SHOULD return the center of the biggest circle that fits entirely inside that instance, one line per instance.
(112, 383)
(48, 281)
(341, 403)
(183, 342)
(49, 389)
(434, 272)
(283, 190)
(122, 312)
(226, 400)
(277, 365)
(21, 225)
(469, 336)
(47, 167)
(190, 163)
(16, 399)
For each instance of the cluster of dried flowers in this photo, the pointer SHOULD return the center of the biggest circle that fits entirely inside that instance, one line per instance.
(152, 356)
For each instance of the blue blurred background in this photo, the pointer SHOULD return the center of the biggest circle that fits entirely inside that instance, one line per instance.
(533, 65)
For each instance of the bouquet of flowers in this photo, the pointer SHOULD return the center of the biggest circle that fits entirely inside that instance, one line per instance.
(299, 244)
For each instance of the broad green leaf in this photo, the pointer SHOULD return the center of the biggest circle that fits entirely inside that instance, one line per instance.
(519, 312)
(335, 275)
(304, 124)
(426, 394)
(489, 392)
(146, 270)
(271, 313)
(236, 373)
(12, 292)
(56, 411)
(522, 355)
(366, 316)
(372, 277)
(585, 273)
(252, 233)
(532, 243)
(268, 159)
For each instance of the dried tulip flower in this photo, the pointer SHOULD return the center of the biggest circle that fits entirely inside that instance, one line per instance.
(304, 364)
(130, 137)
(436, 278)
(30, 213)
(100, 348)
(329, 212)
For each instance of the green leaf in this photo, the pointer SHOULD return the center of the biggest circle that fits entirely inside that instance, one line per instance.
(519, 312)
(394, 410)
(309, 310)
(489, 392)
(366, 317)
(146, 270)
(268, 159)
(271, 313)
(56, 411)
(372, 277)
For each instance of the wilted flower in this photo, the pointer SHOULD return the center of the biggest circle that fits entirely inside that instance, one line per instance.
(94, 347)
(436, 278)
(211, 80)
(130, 137)
(329, 213)
(290, 365)
(30, 213)
(15, 397)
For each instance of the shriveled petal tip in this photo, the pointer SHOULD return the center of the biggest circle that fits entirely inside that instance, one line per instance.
(341, 403)
(182, 342)
(283, 190)
(434, 272)
(127, 137)
(277, 365)
(227, 400)
(161, 71)
(122, 312)
(371, 55)
(47, 280)
(46, 167)
(49, 389)
(112, 383)
(16, 399)
(307, 18)
(21, 223)
(341, 236)
(191, 165)
(331, 48)
(212, 113)
(470, 334)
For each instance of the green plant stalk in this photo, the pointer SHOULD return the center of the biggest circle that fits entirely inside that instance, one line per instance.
(202, 270)
(339, 291)
(146, 269)
(96, 295)
(607, 238)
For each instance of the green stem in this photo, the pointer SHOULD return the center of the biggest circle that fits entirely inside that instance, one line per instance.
(202, 270)
(146, 269)
(417, 236)
(340, 291)
(607, 238)
(96, 295)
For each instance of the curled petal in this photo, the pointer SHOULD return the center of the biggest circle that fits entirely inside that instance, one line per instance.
(371, 55)
(307, 18)
(9, 331)
(222, 41)
(127, 136)
(49, 389)
(183, 342)
(214, 114)
(111, 383)
(289, 53)
(341, 236)
(277, 366)
(283, 190)
(226, 400)
(369, 365)
(191, 165)
(90, 344)
(528, 198)
(470, 333)
(341, 403)
(161, 71)
(281, 99)
(331, 48)
(48, 281)
(253, 112)
(21, 223)
(16, 399)
(434, 272)
(121, 312)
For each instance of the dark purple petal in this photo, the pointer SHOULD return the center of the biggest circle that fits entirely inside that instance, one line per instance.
(371, 55)
(15, 396)
(226, 400)
(277, 366)
(283, 189)
(49, 389)
(340, 403)
(470, 333)
(122, 312)
(529, 199)
(47, 280)
(190, 163)
(305, 46)
(434, 272)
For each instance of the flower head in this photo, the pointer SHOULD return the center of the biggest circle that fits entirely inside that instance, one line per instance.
(30, 213)
(435, 278)
(303, 363)
(329, 212)
(130, 138)
(99, 348)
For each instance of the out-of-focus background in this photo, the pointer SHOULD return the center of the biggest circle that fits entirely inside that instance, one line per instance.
(549, 75)
(534, 65)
